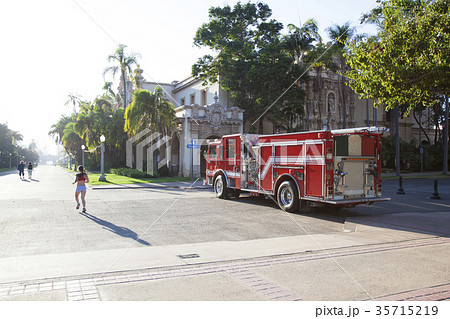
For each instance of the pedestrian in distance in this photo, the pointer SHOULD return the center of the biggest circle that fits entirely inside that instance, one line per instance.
(30, 169)
(21, 169)
(81, 179)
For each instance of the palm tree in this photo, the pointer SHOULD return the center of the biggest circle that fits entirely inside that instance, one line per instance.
(300, 39)
(57, 130)
(71, 140)
(116, 137)
(124, 63)
(298, 44)
(341, 34)
(73, 99)
(15, 137)
(85, 125)
(107, 87)
(149, 110)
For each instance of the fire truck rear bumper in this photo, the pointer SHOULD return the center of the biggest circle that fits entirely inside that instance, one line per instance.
(355, 201)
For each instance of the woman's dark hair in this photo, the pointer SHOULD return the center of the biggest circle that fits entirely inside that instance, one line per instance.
(81, 168)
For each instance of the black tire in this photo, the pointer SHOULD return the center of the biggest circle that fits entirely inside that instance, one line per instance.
(220, 187)
(287, 197)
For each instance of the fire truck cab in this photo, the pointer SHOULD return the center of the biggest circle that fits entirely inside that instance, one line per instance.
(315, 168)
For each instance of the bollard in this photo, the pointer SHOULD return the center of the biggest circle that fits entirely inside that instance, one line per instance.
(436, 193)
(400, 186)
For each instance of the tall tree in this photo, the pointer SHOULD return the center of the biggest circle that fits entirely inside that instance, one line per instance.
(250, 64)
(408, 61)
(123, 63)
(9, 149)
(340, 35)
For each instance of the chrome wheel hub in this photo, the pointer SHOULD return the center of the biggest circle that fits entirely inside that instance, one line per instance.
(219, 187)
(286, 197)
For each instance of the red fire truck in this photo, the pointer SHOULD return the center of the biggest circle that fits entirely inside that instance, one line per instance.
(315, 168)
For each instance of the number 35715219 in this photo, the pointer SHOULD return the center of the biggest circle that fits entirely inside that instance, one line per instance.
(407, 310)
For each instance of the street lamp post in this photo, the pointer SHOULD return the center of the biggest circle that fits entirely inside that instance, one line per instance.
(102, 177)
(82, 154)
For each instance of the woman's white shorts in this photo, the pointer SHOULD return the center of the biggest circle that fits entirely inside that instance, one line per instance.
(80, 189)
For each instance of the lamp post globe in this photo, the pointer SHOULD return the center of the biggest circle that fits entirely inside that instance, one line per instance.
(102, 177)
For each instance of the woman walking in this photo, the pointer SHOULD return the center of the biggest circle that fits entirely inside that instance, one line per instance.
(81, 179)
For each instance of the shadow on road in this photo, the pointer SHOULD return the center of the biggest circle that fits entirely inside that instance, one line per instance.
(119, 230)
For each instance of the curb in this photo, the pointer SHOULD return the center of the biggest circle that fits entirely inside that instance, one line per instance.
(130, 186)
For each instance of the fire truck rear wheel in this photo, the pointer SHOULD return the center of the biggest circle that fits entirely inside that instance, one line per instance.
(287, 197)
(220, 187)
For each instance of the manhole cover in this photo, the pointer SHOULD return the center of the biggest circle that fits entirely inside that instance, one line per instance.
(188, 256)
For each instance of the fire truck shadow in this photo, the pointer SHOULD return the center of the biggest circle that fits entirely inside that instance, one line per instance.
(321, 213)
(257, 201)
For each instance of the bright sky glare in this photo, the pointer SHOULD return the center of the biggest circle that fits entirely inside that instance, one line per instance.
(52, 48)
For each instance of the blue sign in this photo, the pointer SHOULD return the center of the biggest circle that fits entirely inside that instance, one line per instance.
(193, 145)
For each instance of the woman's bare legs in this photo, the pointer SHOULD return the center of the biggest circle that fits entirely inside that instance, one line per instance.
(83, 200)
(76, 198)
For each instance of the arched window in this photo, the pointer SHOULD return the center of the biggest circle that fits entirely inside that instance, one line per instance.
(331, 103)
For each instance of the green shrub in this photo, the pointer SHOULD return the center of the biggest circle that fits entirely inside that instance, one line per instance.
(410, 155)
(163, 171)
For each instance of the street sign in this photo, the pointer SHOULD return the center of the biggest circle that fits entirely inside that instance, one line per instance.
(193, 145)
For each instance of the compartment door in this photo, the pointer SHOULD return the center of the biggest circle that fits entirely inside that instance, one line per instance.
(315, 165)
(266, 168)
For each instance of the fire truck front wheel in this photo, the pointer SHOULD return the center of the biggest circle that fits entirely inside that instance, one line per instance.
(287, 197)
(220, 187)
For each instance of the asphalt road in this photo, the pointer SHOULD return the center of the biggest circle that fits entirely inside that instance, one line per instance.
(38, 216)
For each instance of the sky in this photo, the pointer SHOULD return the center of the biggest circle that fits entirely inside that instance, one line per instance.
(53, 48)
